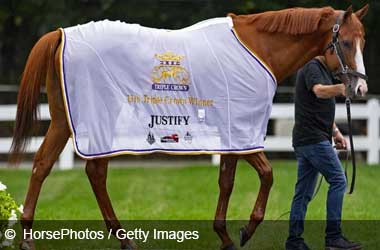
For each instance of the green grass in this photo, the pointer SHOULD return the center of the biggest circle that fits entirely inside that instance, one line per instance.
(191, 193)
(185, 193)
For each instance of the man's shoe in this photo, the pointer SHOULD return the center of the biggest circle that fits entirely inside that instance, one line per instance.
(343, 243)
(296, 246)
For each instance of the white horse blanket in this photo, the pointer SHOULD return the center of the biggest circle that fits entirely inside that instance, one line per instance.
(130, 89)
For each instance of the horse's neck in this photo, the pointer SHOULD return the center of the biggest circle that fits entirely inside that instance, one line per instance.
(283, 53)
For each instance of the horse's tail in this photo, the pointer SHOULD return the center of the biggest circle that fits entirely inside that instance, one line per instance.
(40, 63)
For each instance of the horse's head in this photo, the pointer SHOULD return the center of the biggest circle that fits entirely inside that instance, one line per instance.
(344, 54)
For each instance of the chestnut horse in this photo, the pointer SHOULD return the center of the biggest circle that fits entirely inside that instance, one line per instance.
(285, 40)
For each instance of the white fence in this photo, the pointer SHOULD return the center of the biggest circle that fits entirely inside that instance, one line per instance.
(8, 113)
(369, 143)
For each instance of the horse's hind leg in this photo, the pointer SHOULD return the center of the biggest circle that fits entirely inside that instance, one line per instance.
(226, 183)
(263, 168)
(53, 144)
(97, 174)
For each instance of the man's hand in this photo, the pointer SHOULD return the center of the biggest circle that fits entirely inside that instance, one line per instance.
(340, 141)
(342, 89)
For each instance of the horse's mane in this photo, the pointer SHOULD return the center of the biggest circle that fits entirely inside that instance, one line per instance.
(294, 21)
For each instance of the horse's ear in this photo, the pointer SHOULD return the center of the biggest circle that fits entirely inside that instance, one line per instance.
(231, 15)
(348, 13)
(362, 12)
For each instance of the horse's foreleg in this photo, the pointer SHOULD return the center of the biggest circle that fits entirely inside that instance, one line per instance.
(53, 144)
(97, 174)
(263, 168)
(226, 183)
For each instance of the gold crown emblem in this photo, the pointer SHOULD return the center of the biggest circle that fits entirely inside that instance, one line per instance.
(169, 56)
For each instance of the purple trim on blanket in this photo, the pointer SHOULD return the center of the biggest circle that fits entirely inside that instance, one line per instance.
(257, 60)
(66, 95)
(163, 150)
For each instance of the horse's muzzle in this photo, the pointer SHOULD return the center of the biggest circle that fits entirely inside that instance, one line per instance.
(361, 88)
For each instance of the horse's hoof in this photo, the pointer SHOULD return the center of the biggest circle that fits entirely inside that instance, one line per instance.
(243, 236)
(128, 247)
(230, 246)
(27, 245)
(131, 245)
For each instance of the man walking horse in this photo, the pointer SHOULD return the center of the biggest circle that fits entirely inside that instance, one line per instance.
(254, 53)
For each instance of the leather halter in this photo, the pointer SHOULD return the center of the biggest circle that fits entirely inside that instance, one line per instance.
(334, 45)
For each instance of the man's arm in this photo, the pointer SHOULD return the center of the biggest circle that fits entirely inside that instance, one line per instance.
(328, 91)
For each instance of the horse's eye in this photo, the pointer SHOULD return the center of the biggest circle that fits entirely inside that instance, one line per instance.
(347, 44)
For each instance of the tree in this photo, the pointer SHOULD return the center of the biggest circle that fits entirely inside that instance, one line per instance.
(22, 22)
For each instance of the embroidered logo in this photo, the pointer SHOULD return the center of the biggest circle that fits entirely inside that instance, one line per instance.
(150, 138)
(169, 74)
(170, 139)
(188, 137)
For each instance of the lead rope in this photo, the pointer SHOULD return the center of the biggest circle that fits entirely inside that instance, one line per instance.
(318, 188)
(348, 108)
(312, 198)
(348, 153)
(352, 151)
